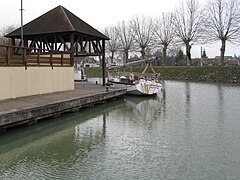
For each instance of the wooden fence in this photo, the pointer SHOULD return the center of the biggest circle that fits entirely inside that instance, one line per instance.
(21, 56)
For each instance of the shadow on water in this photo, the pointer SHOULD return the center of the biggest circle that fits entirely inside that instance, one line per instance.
(50, 134)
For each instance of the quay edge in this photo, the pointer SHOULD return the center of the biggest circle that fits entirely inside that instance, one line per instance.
(31, 115)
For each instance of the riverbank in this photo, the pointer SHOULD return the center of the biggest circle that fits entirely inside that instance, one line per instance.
(219, 74)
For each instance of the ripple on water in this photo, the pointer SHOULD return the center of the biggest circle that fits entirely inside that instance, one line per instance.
(192, 132)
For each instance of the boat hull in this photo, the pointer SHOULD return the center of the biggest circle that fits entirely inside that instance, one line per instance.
(79, 76)
(149, 87)
(142, 87)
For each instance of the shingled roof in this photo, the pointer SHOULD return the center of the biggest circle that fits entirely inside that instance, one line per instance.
(57, 20)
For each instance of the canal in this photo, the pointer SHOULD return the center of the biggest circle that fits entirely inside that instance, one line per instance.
(188, 131)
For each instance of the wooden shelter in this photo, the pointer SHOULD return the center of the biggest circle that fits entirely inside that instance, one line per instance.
(59, 32)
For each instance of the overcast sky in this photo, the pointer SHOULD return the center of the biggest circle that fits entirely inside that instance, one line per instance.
(99, 14)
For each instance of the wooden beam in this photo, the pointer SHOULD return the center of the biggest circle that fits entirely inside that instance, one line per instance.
(95, 47)
(25, 57)
(99, 45)
(61, 58)
(8, 55)
(38, 58)
(59, 47)
(84, 47)
(48, 45)
(77, 43)
(51, 59)
(64, 43)
(55, 43)
(72, 49)
(89, 46)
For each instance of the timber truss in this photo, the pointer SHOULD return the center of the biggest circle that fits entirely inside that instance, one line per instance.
(77, 44)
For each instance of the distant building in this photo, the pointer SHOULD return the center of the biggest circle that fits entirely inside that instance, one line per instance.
(90, 62)
(228, 60)
(225, 57)
(232, 62)
(118, 61)
(210, 61)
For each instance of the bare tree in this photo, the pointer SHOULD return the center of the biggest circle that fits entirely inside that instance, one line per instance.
(112, 45)
(3, 40)
(143, 32)
(5, 30)
(188, 24)
(164, 32)
(125, 34)
(222, 22)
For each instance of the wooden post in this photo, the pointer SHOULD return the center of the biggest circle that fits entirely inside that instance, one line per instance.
(13, 43)
(89, 45)
(72, 49)
(61, 58)
(25, 57)
(55, 42)
(103, 62)
(51, 61)
(38, 57)
(8, 55)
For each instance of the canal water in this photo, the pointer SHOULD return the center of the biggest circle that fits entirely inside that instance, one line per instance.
(188, 131)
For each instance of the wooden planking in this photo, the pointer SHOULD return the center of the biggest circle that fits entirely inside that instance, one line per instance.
(37, 58)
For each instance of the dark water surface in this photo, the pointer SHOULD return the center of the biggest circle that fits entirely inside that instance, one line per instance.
(189, 131)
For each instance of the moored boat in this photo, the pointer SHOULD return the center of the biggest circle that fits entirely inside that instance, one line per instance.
(137, 85)
(79, 74)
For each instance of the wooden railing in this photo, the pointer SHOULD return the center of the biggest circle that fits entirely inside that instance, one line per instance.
(21, 56)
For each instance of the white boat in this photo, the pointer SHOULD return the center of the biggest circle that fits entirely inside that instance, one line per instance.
(136, 85)
(79, 74)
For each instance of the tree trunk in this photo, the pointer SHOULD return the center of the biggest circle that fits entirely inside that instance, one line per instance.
(112, 57)
(188, 52)
(126, 56)
(164, 55)
(222, 49)
(143, 54)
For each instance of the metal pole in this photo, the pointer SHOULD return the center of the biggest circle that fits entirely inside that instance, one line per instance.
(22, 44)
(103, 63)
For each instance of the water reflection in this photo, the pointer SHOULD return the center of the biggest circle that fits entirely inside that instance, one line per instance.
(220, 103)
(145, 109)
(189, 131)
(89, 133)
(188, 101)
(163, 108)
(58, 143)
(142, 104)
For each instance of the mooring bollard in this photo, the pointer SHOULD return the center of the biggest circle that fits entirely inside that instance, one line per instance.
(107, 89)
(96, 82)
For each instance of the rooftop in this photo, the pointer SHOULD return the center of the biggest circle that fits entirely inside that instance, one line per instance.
(57, 20)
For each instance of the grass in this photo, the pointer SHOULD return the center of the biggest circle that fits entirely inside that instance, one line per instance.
(228, 74)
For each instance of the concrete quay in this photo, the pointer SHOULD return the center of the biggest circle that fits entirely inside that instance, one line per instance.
(30, 109)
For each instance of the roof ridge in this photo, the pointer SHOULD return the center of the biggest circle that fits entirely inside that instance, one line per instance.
(63, 9)
(58, 20)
